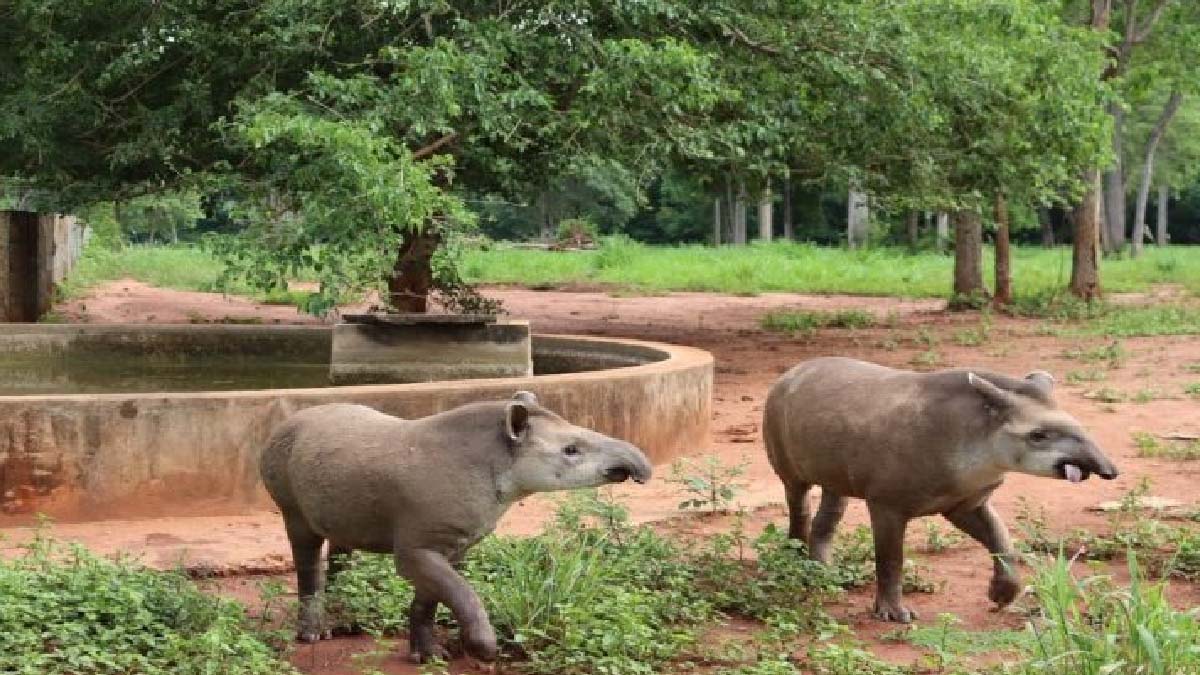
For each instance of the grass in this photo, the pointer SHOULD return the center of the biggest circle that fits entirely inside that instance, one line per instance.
(1092, 627)
(809, 269)
(758, 268)
(807, 322)
(1149, 445)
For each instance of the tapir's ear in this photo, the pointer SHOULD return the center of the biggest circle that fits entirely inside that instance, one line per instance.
(995, 397)
(1042, 380)
(526, 397)
(516, 421)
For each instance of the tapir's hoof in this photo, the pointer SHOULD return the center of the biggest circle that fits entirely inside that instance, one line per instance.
(482, 647)
(420, 655)
(896, 612)
(309, 636)
(1003, 590)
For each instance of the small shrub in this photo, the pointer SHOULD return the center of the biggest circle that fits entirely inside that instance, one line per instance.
(806, 322)
(1112, 353)
(1149, 445)
(1081, 376)
(577, 232)
(615, 252)
(67, 611)
(709, 484)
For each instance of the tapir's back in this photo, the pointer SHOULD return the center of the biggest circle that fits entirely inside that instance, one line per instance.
(848, 425)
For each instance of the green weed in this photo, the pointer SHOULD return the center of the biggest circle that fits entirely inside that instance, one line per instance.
(1081, 376)
(806, 322)
(1113, 354)
(1149, 445)
(67, 611)
(708, 484)
(1091, 627)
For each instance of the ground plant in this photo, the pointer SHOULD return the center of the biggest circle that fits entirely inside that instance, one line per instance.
(622, 263)
(66, 611)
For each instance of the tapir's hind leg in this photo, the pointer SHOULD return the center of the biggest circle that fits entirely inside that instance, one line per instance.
(799, 510)
(829, 514)
(306, 552)
(422, 645)
(339, 559)
(435, 580)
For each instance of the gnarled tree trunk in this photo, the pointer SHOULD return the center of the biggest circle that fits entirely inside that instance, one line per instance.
(1047, 227)
(717, 221)
(1143, 194)
(913, 223)
(1003, 294)
(1161, 236)
(943, 230)
(1114, 187)
(968, 259)
(1085, 262)
(766, 215)
(788, 228)
(858, 219)
(412, 274)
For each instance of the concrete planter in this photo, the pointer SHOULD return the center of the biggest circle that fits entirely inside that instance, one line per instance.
(84, 455)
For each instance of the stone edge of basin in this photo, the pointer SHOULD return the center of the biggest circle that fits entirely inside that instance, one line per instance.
(88, 456)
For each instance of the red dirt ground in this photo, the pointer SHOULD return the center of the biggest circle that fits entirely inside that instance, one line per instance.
(918, 334)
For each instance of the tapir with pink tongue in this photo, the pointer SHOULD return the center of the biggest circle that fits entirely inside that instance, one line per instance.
(916, 444)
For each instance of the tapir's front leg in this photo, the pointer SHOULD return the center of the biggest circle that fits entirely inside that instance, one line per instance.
(888, 525)
(435, 580)
(984, 526)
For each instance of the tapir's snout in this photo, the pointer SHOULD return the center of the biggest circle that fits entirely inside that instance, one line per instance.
(1090, 460)
(629, 462)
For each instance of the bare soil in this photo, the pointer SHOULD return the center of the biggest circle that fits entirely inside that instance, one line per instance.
(916, 334)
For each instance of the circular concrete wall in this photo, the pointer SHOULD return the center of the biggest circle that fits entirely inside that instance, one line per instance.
(85, 455)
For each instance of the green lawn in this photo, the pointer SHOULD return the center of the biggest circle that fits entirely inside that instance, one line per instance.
(809, 269)
(619, 263)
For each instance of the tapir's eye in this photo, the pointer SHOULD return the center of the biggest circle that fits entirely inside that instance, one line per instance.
(571, 450)
(1039, 436)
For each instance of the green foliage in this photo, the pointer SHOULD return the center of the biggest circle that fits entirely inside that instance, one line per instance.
(807, 322)
(1149, 445)
(1092, 627)
(577, 231)
(69, 612)
(710, 484)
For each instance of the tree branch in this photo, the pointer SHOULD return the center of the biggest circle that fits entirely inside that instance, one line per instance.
(435, 146)
(741, 37)
(1143, 31)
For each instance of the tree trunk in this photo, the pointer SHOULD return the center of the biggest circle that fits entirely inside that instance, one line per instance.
(1085, 262)
(858, 219)
(1143, 194)
(766, 216)
(1163, 195)
(943, 230)
(968, 259)
(788, 230)
(1114, 187)
(412, 275)
(1047, 227)
(730, 208)
(1003, 270)
(739, 216)
(717, 221)
(914, 229)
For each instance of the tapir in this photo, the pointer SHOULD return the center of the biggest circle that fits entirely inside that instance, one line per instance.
(424, 491)
(915, 444)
